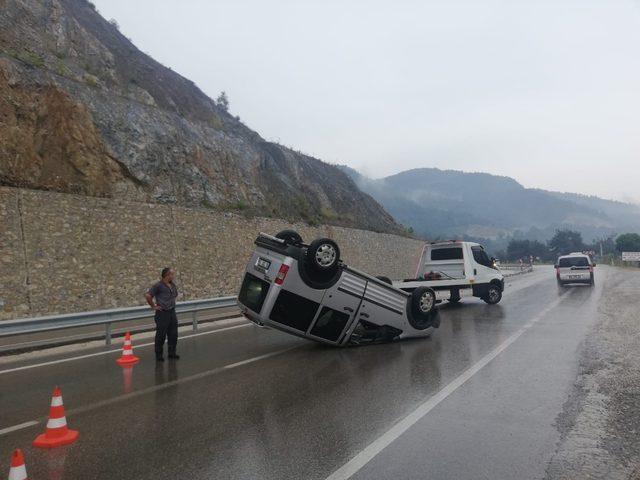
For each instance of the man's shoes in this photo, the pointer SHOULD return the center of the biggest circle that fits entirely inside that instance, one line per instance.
(174, 356)
(160, 358)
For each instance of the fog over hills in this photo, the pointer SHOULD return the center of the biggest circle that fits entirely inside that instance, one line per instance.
(443, 203)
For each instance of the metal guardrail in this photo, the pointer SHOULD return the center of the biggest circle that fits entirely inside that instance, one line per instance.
(515, 268)
(107, 317)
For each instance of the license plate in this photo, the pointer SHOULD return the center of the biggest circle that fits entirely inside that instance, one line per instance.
(263, 264)
(575, 276)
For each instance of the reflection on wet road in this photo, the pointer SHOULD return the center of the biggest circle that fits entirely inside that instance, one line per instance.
(256, 403)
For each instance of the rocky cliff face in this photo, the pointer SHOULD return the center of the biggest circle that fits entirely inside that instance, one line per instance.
(82, 110)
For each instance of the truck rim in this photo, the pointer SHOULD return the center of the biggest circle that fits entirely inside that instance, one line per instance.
(325, 255)
(493, 294)
(426, 302)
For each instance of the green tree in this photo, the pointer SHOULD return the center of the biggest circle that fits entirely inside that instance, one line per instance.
(566, 241)
(628, 242)
(525, 248)
(223, 101)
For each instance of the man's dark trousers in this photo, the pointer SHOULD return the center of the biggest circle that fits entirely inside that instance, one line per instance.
(166, 327)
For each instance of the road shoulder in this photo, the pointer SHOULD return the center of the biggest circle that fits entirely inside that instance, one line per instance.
(599, 424)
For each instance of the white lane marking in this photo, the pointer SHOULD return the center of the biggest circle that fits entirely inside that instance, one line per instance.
(20, 426)
(155, 388)
(118, 350)
(388, 437)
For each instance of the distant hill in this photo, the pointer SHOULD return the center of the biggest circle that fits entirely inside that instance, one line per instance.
(84, 111)
(443, 203)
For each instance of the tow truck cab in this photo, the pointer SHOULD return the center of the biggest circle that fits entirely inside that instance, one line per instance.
(457, 269)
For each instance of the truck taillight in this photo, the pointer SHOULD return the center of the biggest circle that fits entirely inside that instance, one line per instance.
(282, 274)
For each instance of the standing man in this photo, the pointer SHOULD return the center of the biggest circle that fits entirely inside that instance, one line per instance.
(165, 293)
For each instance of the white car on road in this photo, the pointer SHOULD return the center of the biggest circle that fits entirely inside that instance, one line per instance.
(576, 267)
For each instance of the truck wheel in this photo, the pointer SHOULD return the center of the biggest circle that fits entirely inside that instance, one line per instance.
(290, 237)
(493, 296)
(320, 267)
(323, 255)
(422, 310)
(384, 279)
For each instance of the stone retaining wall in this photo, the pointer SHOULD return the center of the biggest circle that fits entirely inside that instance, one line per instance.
(64, 253)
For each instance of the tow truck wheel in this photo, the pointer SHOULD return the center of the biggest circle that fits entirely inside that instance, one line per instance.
(323, 254)
(493, 296)
(290, 237)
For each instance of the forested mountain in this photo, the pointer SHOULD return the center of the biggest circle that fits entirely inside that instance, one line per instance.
(82, 110)
(444, 203)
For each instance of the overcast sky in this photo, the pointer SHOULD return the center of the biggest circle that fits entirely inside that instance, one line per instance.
(547, 92)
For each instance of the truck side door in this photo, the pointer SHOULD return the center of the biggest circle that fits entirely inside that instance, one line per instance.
(339, 306)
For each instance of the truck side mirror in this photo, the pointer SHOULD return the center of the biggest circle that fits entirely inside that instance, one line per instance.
(555, 266)
(593, 264)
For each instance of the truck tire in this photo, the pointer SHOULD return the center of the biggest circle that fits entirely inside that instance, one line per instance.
(493, 295)
(320, 266)
(323, 255)
(290, 237)
(421, 309)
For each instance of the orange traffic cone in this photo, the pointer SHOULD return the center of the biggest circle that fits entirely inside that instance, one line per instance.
(57, 433)
(127, 358)
(17, 471)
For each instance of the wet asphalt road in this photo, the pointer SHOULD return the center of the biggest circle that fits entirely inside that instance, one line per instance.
(251, 403)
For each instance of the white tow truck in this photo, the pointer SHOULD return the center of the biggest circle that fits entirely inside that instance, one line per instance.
(455, 269)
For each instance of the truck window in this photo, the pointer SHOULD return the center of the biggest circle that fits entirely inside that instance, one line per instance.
(452, 253)
(573, 262)
(481, 257)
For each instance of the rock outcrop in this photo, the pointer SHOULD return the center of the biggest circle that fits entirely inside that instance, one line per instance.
(82, 110)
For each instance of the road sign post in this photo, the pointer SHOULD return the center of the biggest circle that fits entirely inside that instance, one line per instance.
(631, 257)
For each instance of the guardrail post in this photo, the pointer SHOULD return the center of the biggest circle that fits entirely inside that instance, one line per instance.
(107, 333)
(194, 320)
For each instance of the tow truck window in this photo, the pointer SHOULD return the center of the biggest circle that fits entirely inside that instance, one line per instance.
(573, 262)
(481, 257)
(453, 253)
